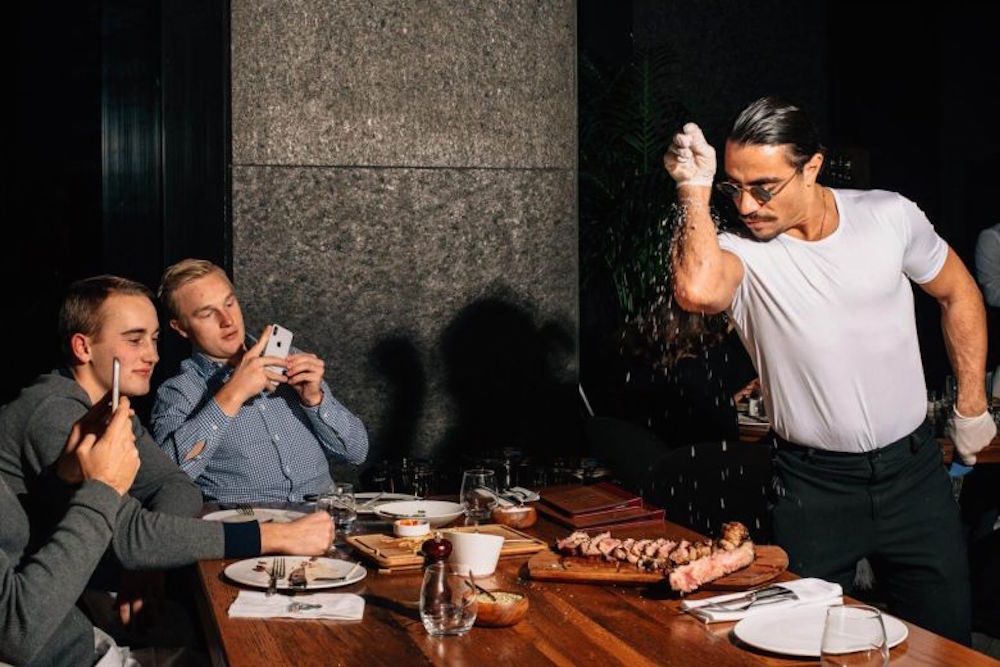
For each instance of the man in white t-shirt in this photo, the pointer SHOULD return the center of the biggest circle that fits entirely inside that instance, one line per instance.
(819, 290)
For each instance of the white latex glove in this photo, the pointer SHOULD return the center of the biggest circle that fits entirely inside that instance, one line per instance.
(970, 434)
(690, 160)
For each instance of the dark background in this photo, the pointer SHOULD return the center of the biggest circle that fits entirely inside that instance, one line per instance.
(119, 152)
(910, 97)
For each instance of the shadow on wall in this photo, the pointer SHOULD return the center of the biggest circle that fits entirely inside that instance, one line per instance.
(397, 360)
(509, 383)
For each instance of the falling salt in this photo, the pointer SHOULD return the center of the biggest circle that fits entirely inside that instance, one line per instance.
(722, 503)
(724, 445)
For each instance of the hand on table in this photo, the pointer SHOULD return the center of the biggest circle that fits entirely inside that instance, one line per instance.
(311, 535)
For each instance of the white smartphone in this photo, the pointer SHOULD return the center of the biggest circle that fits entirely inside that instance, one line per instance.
(116, 373)
(278, 345)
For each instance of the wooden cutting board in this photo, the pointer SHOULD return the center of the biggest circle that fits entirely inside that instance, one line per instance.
(769, 562)
(394, 554)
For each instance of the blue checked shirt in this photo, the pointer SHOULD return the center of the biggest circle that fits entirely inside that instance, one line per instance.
(275, 449)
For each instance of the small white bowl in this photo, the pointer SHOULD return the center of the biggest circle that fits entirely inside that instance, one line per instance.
(411, 527)
(478, 551)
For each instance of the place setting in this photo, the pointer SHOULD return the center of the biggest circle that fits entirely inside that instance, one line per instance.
(284, 577)
(803, 617)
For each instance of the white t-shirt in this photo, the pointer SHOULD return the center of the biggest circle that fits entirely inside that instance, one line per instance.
(830, 327)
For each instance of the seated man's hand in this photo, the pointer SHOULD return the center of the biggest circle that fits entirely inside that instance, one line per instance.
(305, 374)
(970, 434)
(103, 452)
(311, 535)
(251, 377)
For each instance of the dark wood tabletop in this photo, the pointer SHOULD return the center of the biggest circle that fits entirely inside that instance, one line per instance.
(566, 624)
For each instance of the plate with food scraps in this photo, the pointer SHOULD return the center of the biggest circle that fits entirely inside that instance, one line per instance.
(259, 514)
(320, 572)
(437, 512)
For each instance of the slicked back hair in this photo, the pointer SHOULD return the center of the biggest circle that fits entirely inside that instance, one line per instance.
(772, 121)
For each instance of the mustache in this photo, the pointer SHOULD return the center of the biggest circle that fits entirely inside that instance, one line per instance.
(757, 218)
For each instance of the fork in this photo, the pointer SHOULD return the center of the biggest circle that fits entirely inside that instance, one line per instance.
(277, 572)
(755, 598)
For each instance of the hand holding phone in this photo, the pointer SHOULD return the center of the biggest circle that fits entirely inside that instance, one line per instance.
(116, 372)
(279, 344)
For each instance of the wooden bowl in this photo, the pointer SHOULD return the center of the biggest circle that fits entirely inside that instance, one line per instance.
(516, 517)
(501, 613)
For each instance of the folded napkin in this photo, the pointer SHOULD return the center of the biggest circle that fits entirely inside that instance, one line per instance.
(809, 591)
(338, 606)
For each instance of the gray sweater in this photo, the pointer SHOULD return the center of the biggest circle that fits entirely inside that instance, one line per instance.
(39, 622)
(153, 527)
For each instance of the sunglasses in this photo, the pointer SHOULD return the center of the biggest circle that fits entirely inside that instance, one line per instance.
(760, 194)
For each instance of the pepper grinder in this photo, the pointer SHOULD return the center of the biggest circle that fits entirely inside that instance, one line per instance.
(436, 549)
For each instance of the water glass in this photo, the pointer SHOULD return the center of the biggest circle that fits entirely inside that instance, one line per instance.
(479, 492)
(339, 503)
(447, 599)
(854, 635)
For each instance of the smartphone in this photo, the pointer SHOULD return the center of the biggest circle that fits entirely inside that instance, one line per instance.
(116, 373)
(278, 345)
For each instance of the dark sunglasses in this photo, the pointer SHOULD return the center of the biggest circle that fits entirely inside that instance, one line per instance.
(760, 194)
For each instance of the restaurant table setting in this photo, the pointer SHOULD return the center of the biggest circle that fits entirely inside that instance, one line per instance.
(407, 610)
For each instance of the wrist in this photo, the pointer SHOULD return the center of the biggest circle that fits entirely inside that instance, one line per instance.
(229, 399)
(271, 539)
(312, 400)
(970, 408)
(690, 193)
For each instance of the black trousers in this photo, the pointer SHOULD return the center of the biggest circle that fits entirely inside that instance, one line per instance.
(894, 506)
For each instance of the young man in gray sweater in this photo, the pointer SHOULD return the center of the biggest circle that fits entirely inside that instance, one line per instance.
(104, 318)
(39, 620)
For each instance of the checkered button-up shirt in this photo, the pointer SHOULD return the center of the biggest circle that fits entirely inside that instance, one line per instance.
(274, 449)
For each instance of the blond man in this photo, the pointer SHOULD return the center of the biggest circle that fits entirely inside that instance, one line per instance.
(244, 427)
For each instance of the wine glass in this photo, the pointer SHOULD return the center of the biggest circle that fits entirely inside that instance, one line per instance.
(447, 599)
(854, 635)
(479, 492)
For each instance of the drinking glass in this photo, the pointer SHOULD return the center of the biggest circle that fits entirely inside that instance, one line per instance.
(479, 492)
(854, 635)
(339, 503)
(447, 599)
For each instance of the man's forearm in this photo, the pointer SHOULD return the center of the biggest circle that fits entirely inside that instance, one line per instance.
(963, 320)
(696, 254)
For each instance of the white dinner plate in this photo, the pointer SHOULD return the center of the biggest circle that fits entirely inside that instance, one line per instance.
(261, 514)
(366, 496)
(437, 512)
(799, 630)
(254, 571)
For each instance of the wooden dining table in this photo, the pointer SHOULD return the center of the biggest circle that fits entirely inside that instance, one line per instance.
(566, 624)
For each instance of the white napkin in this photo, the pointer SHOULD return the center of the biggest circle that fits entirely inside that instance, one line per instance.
(810, 591)
(338, 606)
